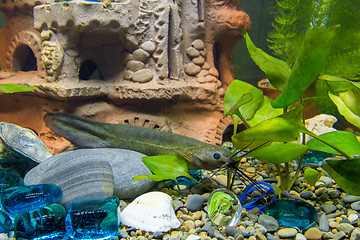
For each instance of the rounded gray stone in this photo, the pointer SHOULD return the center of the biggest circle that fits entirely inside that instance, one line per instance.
(125, 165)
(141, 55)
(192, 69)
(355, 206)
(328, 181)
(192, 52)
(135, 65)
(351, 198)
(198, 44)
(270, 223)
(148, 46)
(143, 75)
(287, 233)
(324, 223)
(328, 207)
(194, 202)
(79, 178)
(345, 227)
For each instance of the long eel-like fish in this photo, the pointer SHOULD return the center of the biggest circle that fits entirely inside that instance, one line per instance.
(88, 133)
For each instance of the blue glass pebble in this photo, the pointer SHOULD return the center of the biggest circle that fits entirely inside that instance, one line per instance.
(292, 213)
(44, 223)
(93, 218)
(8, 179)
(21, 199)
(5, 223)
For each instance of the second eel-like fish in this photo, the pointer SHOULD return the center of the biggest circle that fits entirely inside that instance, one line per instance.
(88, 133)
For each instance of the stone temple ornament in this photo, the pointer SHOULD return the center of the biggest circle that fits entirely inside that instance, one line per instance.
(144, 62)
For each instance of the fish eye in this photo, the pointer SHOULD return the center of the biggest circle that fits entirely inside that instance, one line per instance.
(217, 155)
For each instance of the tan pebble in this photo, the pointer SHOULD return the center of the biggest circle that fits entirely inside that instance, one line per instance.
(206, 66)
(201, 234)
(177, 232)
(198, 223)
(251, 170)
(313, 234)
(252, 238)
(259, 236)
(190, 224)
(294, 193)
(192, 231)
(138, 232)
(214, 72)
(334, 231)
(333, 224)
(203, 73)
(222, 179)
(201, 79)
(338, 219)
(187, 217)
(206, 196)
(240, 237)
(242, 227)
(197, 215)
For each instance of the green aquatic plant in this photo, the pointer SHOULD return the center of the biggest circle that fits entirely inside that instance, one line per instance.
(273, 137)
(14, 88)
(165, 167)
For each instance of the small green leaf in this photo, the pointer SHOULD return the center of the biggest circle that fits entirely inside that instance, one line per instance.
(284, 128)
(266, 111)
(345, 111)
(236, 93)
(346, 141)
(279, 153)
(338, 84)
(351, 98)
(277, 71)
(13, 88)
(347, 185)
(165, 167)
(312, 176)
(312, 57)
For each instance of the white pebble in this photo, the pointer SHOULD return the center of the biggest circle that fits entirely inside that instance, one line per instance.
(3, 236)
(193, 237)
(353, 217)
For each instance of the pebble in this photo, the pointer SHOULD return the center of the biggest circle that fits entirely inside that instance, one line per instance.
(324, 223)
(141, 55)
(148, 46)
(355, 234)
(334, 193)
(299, 236)
(353, 218)
(270, 223)
(232, 231)
(328, 208)
(198, 44)
(287, 233)
(339, 235)
(193, 237)
(134, 65)
(158, 235)
(328, 235)
(142, 76)
(327, 180)
(351, 199)
(190, 224)
(313, 234)
(355, 206)
(3, 236)
(345, 227)
(192, 52)
(194, 202)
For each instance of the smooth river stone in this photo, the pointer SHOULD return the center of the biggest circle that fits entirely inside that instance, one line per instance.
(125, 165)
(79, 176)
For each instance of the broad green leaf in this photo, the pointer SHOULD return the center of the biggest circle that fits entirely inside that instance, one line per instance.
(351, 98)
(266, 111)
(312, 176)
(165, 167)
(338, 84)
(312, 57)
(235, 92)
(346, 141)
(345, 111)
(279, 153)
(347, 168)
(277, 71)
(13, 88)
(347, 185)
(284, 128)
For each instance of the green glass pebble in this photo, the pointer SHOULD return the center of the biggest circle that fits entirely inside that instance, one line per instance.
(93, 218)
(8, 179)
(21, 199)
(44, 223)
(5, 223)
(292, 213)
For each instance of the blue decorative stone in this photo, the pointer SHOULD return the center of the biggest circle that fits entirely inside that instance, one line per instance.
(5, 223)
(44, 223)
(8, 179)
(292, 213)
(21, 199)
(93, 218)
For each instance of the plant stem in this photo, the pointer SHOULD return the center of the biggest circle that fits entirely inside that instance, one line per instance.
(282, 179)
(287, 176)
(247, 125)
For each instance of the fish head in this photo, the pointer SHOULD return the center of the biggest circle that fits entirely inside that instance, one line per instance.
(211, 157)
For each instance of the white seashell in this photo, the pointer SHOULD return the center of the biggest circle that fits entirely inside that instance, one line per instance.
(320, 124)
(151, 212)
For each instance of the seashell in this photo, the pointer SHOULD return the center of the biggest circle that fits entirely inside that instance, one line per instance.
(151, 212)
(23, 142)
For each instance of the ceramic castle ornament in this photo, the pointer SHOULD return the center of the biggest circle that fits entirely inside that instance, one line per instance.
(124, 54)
